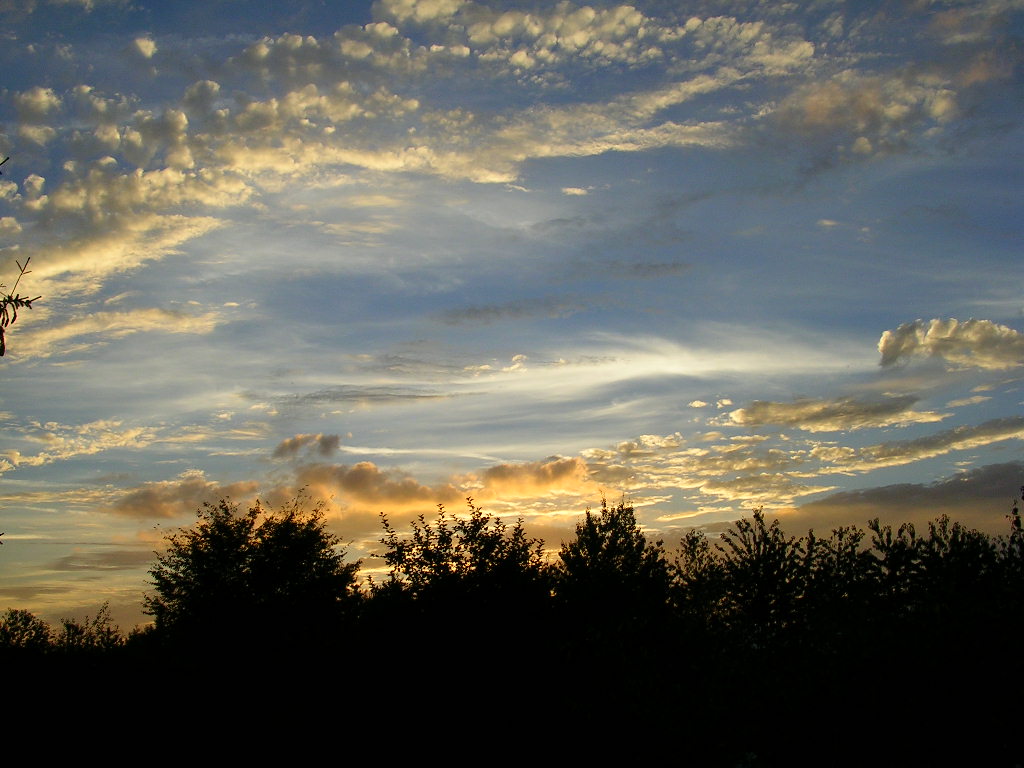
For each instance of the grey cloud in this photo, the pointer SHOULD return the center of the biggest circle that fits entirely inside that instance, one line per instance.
(365, 483)
(111, 560)
(174, 498)
(645, 270)
(833, 415)
(551, 307)
(979, 497)
(973, 343)
(622, 269)
(408, 365)
(322, 444)
(370, 394)
(31, 591)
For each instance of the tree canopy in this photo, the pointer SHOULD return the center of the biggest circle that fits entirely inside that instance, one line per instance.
(257, 574)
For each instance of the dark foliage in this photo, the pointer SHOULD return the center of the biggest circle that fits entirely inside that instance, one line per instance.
(11, 302)
(469, 557)
(773, 649)
(269, 579)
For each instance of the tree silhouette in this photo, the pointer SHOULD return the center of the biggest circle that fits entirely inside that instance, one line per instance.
(610, 568)
(275, 577)
(11, 302)
(23, 632)
(467, 582)
(91, 635)
(461, 572)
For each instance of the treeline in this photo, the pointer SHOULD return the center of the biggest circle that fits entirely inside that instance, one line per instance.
(757, 643)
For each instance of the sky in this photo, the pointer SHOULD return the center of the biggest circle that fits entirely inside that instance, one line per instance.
(704, 256)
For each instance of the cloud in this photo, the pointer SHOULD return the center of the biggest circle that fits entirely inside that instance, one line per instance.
(364, 485)
(67, 441)
(899, 452)
(102, 326)
(361, 395)
(549, 306)
(324, 445)
(979, 498)
(80, 264)
(731, 469)
(176, 498)
(145, 47)
(419, 10)
(870, 112)
(969, 344)
(538, 478)
(833, 415)
(973, 400)
(759, 488)
(36, 105)
(104, 560)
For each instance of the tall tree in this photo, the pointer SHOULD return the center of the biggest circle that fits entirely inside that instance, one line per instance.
(272, 577)
(611, 582)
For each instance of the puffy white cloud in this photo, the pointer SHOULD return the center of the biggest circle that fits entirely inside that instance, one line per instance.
(144, 46)
(834, 415)
(420, 10)
(969, 344)
(36, 105)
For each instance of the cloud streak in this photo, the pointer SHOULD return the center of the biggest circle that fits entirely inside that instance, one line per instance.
(834, 415)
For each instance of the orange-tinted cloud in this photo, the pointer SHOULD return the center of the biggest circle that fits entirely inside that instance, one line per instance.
(179, 497)
(536, 478)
